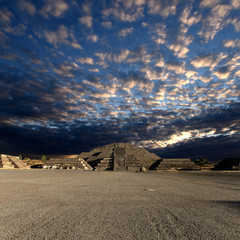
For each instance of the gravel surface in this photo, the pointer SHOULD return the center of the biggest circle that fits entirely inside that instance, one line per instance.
(72, 204)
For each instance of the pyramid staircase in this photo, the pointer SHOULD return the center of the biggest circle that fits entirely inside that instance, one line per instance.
(9, 161)
(6, 163)
(132, 163)
(177, 164)
(105, 164)
(85, 165)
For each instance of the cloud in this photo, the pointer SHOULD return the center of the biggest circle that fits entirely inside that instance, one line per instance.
(27, 6)
(163, 8)
(85, 60)
(235, 3)
(106, 24)
(189, 19)
(223, 72)
(93, 70)
(179, 50)
(176, 67)
(231, 43)
(212, 3)
(5, 15)
(66, 69)
(133, 80)
(127, 11)
(87, 21)
(208, 60)
(123, 32)
(140, 54)
(215, 22)
(60, 36)
(122, 56)
(93, 38)
(159, 33)
(76, 45)
(236, 23)
(54, 7)
(160, 62)
(86, 8)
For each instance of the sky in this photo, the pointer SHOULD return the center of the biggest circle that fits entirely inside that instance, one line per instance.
(163, 75)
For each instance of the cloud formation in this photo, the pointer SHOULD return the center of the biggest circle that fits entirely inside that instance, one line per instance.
(160, 74)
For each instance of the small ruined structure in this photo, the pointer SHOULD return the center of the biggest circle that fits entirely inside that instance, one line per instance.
(67, 163)
(120, 156)
(176, 164)
(8, 161)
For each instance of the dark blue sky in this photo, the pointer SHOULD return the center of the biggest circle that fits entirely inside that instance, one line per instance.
(160, 74)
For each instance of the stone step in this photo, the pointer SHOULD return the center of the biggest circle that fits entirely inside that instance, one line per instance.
(104, 165)
(108, 158)
(104, 168)
(106, 161)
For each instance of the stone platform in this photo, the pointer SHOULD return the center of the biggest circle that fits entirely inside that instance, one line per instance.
(177, 164)
(67, 163)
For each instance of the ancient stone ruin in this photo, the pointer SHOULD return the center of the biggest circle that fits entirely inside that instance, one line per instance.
(124, 156)
(114, 157)
(8, 161)
(119, 156)
(67, 163)
(176, 164)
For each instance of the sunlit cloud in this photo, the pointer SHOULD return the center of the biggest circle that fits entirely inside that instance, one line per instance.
(27, 6)
(5, 15)
(85, 60)
(125, 11)
(124, 32)
(87, 21)
(93, 38)
(214, 22)
(162, 8)
(231, 43)
(60, 36)
(55, 8)
(107, 24)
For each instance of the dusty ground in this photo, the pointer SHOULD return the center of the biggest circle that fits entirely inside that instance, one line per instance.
(68, 204)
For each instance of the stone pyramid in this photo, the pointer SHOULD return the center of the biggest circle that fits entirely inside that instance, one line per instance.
(119, 156)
